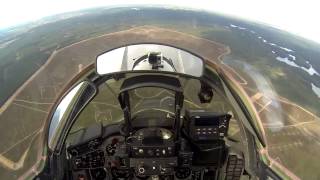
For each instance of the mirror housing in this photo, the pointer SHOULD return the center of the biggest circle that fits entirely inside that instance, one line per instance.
(149, 57)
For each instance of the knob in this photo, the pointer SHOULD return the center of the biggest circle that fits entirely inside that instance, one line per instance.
(141, 170)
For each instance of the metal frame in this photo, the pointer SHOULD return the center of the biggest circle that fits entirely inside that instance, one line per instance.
(161, 81)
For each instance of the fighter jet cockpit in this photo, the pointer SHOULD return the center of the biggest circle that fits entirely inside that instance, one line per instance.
(151, 111)
(163, 90)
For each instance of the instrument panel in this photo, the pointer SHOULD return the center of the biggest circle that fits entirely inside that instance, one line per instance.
(152, 142)
(152, 151)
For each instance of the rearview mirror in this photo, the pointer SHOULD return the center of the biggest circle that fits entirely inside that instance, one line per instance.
(149, 57)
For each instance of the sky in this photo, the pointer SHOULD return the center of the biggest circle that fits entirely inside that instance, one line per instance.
(298, 17)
